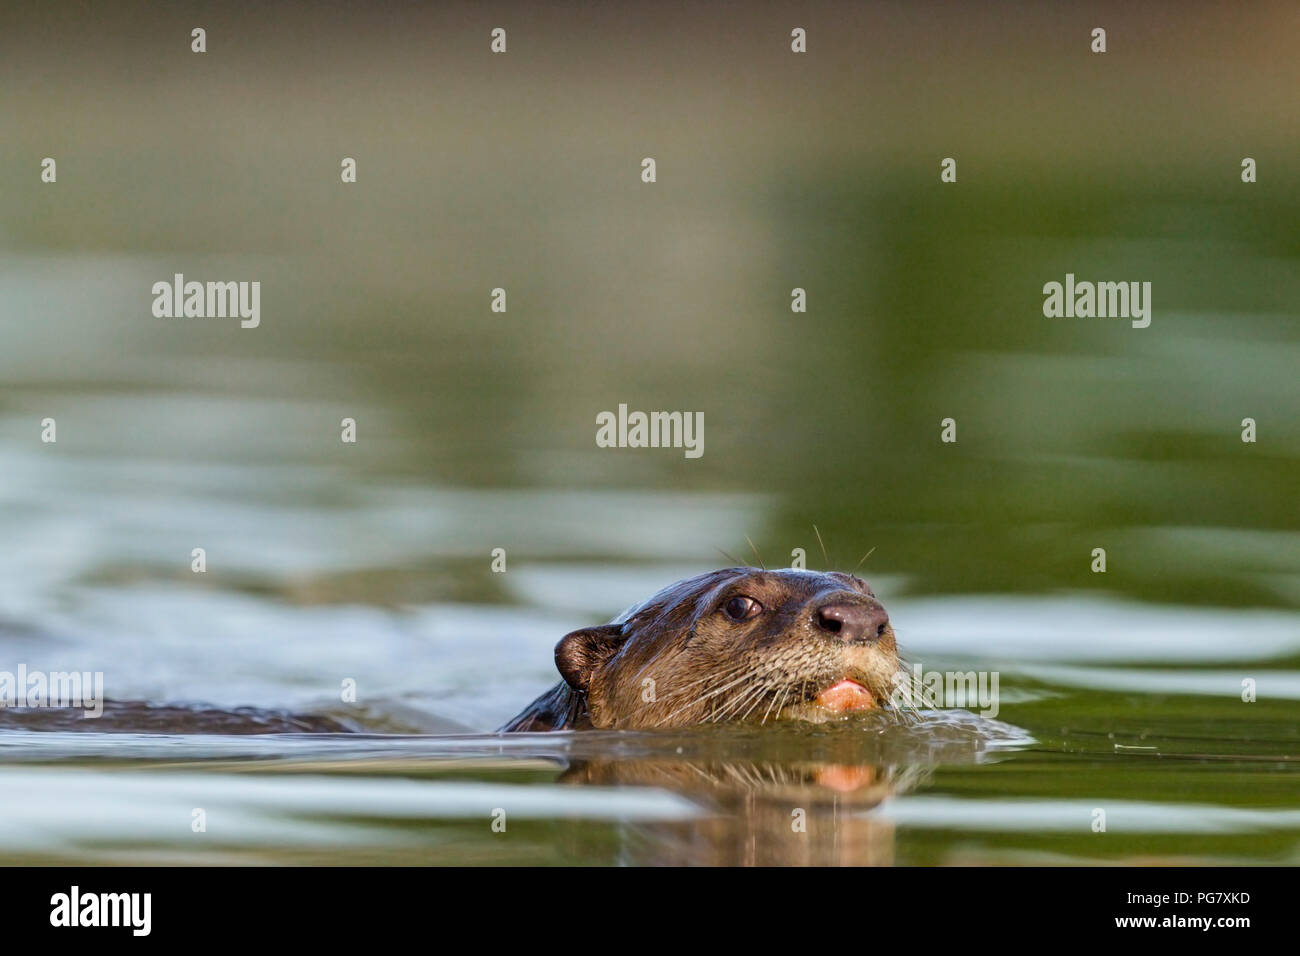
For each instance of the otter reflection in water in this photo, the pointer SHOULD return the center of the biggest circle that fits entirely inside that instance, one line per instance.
(787, 794)
(737, 644)
(761, 813)
(794, 794)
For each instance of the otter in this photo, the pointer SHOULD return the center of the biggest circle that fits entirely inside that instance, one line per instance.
(738, 644)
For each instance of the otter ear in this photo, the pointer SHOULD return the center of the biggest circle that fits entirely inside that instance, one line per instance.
(580, 653)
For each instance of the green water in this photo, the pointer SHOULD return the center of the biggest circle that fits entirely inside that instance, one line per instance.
(1120, 691)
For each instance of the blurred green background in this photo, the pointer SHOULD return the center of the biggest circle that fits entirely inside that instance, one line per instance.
(775, 170)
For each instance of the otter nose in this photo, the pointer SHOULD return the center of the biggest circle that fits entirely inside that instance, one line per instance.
(853, 623)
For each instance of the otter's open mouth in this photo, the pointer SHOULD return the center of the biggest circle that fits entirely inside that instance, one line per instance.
(846, 696)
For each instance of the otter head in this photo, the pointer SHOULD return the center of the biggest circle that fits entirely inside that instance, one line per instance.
(734, 645)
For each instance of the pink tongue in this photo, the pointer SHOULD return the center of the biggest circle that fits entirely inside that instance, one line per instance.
(845, 696)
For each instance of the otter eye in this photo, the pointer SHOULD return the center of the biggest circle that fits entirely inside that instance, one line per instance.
(740, 608)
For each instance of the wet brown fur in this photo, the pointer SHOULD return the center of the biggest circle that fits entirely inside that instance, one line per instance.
(678, 660)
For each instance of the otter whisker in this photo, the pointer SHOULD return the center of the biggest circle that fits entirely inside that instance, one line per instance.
(758, 700)
(741, 696)
(719, 708)
(784, 694)
(711, 681)
(860, 560)
(763, 688)
(904, 687)
(706, 696)
(677, 691)
(756, 554)
(905, 703)
(734, 560)
(738, 700)
(825, 557)
(733, 710)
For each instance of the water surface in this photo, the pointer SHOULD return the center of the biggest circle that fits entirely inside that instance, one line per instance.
(371, 563)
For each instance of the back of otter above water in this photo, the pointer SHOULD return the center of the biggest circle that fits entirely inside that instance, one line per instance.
(738, 644)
